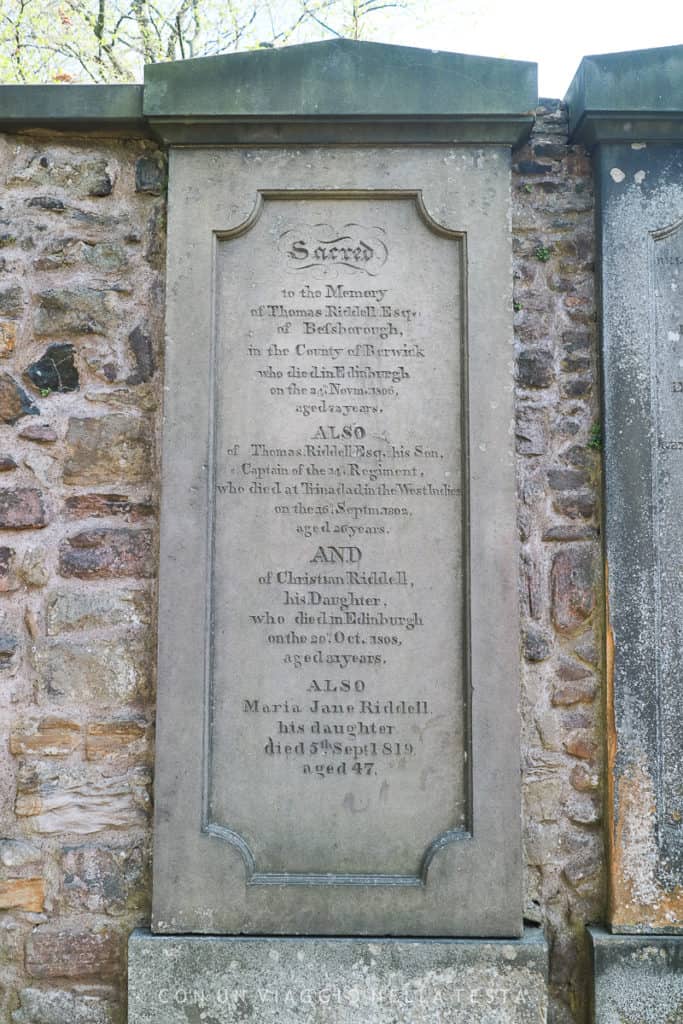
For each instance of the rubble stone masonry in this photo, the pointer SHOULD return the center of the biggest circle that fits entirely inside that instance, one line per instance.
(558, 474)
(81, 320)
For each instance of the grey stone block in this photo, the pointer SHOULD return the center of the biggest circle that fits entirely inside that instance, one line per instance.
(330, 88)
(637, 979)
(631, 97)
(173, 980)
(86, 107)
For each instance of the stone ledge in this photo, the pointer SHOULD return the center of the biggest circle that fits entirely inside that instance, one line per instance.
(638, 978)
(635, 96)
(294, 94)
(342, 981)
(108, 109)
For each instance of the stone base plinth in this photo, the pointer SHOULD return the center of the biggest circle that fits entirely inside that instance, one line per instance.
(219, 980)
(637, 978)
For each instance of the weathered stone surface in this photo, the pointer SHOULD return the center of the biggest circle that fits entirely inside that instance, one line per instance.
(586, 865)
(106, 449)
(142, 352)
(69, 610)
(14, 402)
(78, 801)
(569, 669)
(641, 191)
(8, 339)
(11, 301)
(141, 396)
(67, 953)
(542, 799)
(107, 553)
(572, 583)
(117, 736)
(73, 311)
(55, 1006)
(584, 778)
(103, 879)
(68, 252)
(637, 979)
(578, 505)
(583, 808)
(336, 981)
(536, 643)
(50, 203)
(8, 577)
(566, 479)
(55, 370)
(41, 433)
(531, 432)
(570, 531)
(48, 737)
(22, 509)
(17, 853)
(97, 506)
(89, 176)
(577, 388)
(574, 692)
(581, 743)
(22, 894)
(34, 570)
(8, 647)
(535, 367)
(150, 174)
(107, 671)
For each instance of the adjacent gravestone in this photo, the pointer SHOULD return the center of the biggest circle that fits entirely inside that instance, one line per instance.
(337, 750)
(630, 107)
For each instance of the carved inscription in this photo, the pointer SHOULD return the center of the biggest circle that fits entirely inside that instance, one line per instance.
(337, 739)
(668, 501)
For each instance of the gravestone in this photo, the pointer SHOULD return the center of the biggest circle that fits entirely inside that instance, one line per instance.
(337, 743)
(630, 108)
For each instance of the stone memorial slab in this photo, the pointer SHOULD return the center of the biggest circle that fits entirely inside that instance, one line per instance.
(338, 746)
(643, 349)
(630, 105)
(338, 981)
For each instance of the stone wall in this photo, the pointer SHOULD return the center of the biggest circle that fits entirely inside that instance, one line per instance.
(81, 311)
(558, 472)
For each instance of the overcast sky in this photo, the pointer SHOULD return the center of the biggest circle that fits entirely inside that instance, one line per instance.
(555, 35)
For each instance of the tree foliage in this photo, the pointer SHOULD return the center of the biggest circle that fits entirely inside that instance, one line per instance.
(111, 40)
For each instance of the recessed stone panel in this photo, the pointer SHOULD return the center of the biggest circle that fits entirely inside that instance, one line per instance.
(337, 679)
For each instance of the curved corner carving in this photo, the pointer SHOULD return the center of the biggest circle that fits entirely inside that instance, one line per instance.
(432, 223)
(442, 841)
(659, 233)
(255, 877)
(236, 840)
(246, 225)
